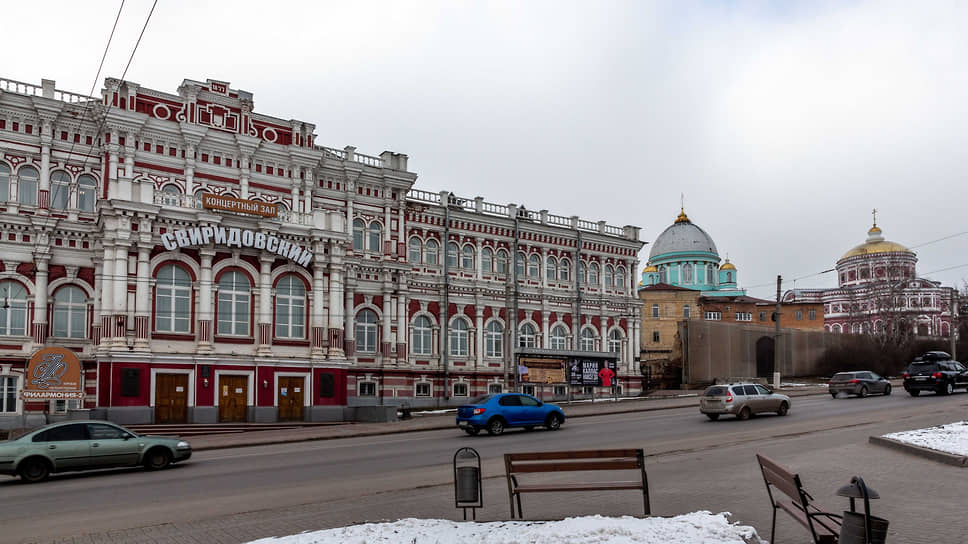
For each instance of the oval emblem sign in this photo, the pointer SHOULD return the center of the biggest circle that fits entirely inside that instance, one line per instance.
(53, 373)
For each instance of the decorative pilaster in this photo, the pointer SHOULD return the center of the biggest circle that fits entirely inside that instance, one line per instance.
(142, 305)
(350, 324)
(336, 316)
(205, 305)
(43, 194)
(107, 297)
(40, 298)
(318, 314)
(119, 319)
(401, 325)
(479, 328)
(385, 322)
(265, 307)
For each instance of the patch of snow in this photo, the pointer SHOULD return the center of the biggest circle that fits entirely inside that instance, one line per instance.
(951, 438)
(694, 528)
(784, 384)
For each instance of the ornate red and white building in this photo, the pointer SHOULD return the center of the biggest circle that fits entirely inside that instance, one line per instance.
(209, 263)
(879, 291)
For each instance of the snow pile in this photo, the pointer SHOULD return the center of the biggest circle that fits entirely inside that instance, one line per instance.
(951, 438)
(695, 528)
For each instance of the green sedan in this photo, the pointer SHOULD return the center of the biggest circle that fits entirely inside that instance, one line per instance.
(86, 445)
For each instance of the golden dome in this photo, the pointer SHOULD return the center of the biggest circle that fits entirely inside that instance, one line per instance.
(876, 244)
(682, 218)
(728, 266)
(649, 268)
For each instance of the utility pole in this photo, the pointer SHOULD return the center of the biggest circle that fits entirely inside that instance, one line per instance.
(953, 328)
(444, 325)
(514, 310)
(776, 335)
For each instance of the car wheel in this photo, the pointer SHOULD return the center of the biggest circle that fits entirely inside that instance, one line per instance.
(157, 459)
(472, 430)
(553, 423)
(948, 389)
(34, 470)
(914, 392)
(887, 389)
(833, 395)
(713, 417)
(784, 408)
(495, 427)
(863, 391)
(744, 414)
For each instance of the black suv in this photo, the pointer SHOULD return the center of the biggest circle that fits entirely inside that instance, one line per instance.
(935, 371)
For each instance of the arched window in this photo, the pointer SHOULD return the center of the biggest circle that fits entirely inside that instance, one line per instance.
(467, 258)
(458, 338)
(564, 270)
(582, 272)
(534, 266)
(27, 186)
(593, 274)
(609, 276)
(487, 260)
(60, 189)
(13, 311)
(729, 277)
(374, 237)
(527, 337)
(413, 250)
(422, 334)
(519, 265)
(290, 307)
(559, 337)
(432, 254)
(663, 275)
(198, 200)
(70, 312)
(173, 298)
(551, 269)
(685, 311)
(358, 228)
(451, 255)
(709, 274)
(4, 182)
(366, 332)
(234, 292)
(86, 193)
(494, 340)
(501, 262)
(587, 339)
(620, 277)
(170, 195)
(615, 341)
(687, 273)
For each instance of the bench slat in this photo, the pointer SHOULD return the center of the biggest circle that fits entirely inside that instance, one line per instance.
(597, 486)
(787, 483)
(578, 454)
(821, 525)
(575, 466)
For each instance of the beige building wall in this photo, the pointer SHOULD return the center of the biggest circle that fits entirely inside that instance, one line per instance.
(663, 308)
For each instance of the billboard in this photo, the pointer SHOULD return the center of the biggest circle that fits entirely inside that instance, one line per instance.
(541, 370)
(596, 372)
(53, 373)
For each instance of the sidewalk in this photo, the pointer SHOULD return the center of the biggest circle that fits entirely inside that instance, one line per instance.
(661, 400)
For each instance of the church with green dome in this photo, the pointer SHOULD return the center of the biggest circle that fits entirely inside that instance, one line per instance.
(685, 256)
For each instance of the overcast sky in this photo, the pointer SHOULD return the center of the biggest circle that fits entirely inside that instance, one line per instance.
(783, 123)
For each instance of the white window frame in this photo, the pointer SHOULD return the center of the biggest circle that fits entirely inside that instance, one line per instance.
(558, 341)
(368, 384)
(414, 250)
(461, 389)
(76, 310)
(291, 307)
(10, 393)
(495, 388)
(366, 332)
(175, 291)
(494, 340)
(458, 344)
(587, 339)
(419, 387)
(527, 339)
(421, 337)
(234, 296)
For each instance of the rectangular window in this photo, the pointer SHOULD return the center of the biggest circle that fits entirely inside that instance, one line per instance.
(460, 389)
(685, 311)
(367, 389)
(61, 406)
(762, 316)
(528, 390)
(8, 394)
(655, 336)
(813, 315)
(655, 310)
(744, 316)
(495, 389)
(327, 385)
(799, 315)
(130, 382)
(560, 390)
(423, 389)
(714, 316)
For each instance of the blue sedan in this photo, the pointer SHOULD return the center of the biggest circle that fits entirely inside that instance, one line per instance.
(498, 412)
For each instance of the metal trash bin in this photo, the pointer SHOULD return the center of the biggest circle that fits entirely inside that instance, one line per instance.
(853, 530)
(468, 491)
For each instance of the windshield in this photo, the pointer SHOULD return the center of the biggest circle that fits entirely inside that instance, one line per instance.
(482, 399)
(918, 368)
(842, 377)
(715, 392)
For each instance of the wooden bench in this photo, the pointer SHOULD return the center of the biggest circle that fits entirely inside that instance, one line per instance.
(794, 500)
(517, 464)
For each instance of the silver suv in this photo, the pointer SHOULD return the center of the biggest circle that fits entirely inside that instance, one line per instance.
(742, 400)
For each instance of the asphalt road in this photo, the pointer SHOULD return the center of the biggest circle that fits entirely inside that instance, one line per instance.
(693, 464)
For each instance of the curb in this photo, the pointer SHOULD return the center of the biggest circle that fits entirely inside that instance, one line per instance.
(935, 455)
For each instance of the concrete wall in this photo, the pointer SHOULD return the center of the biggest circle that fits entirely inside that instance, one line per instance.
(714, 350)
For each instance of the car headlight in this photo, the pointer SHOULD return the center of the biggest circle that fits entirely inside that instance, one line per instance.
(182, 445)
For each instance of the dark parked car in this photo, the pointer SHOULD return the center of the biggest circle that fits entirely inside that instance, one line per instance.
(86, 445)
(498, 412)
(935, 371)
(858, 382)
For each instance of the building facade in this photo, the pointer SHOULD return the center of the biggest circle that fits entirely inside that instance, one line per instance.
(208, 263)
(879, 291)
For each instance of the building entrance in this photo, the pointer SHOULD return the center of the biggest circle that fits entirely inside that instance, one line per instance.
(233, 398)
(289, 398)
(171, 398)
(764, 358)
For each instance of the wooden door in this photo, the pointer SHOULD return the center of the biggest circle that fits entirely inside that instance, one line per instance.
(171, 398)
(233, 398)
(290, 398)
